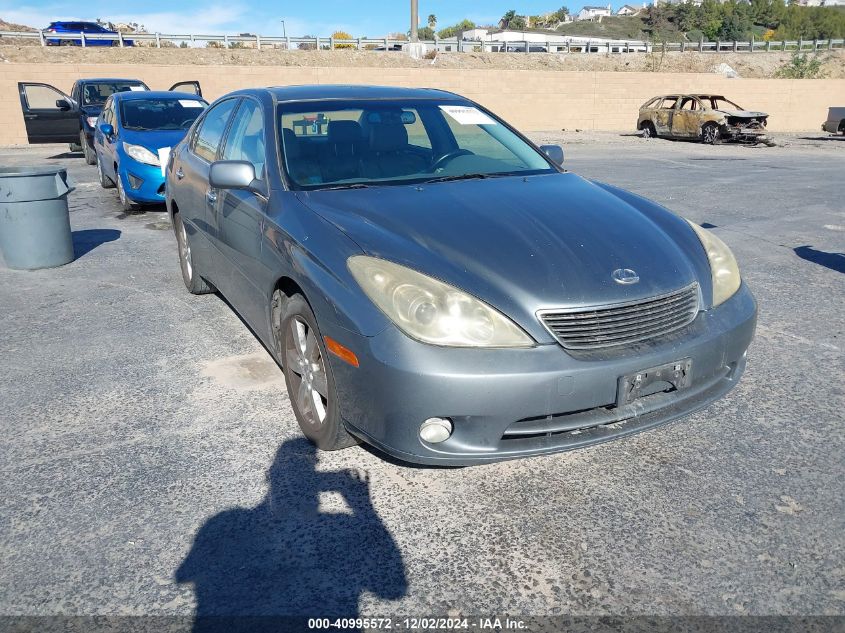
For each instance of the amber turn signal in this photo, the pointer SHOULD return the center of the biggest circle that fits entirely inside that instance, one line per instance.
(343, 353)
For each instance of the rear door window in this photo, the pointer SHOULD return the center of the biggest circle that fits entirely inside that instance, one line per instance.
(211, 130)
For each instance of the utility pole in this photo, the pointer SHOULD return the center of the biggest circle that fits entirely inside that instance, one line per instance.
(415, 20)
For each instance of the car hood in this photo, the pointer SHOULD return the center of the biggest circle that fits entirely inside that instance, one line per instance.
(743, 114)
(521, 244)
(153, 139)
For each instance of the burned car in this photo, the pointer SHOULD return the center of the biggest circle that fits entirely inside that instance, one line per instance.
(835, 123)
(709, 118)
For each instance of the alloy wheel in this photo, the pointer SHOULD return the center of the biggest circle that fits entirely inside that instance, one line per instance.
(184, 250)
(307, 370)
(711, 134)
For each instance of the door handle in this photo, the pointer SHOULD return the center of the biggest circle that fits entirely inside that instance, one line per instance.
(30, 116)
(180, 174)
(211, 196)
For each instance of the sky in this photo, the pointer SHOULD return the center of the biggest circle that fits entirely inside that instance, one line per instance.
(362, 18)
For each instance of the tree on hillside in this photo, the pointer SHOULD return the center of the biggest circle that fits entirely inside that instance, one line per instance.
(424, 33)
(452, 31)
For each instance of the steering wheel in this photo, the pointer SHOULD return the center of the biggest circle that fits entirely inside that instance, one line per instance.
(441, 162)
(186, 123)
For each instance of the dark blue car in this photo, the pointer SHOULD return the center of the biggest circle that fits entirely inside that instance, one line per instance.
(94, 35)
(51, 116)
(133, 138)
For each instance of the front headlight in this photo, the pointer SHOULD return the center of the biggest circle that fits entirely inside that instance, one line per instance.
(433, 312)
(92, 121)
(723, 267)
(141, 154)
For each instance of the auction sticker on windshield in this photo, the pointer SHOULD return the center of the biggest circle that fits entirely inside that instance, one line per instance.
(467, 115)
(137, 88)
(190, 103)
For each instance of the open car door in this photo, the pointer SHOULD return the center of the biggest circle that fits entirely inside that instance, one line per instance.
(191, 87)
(50, 116)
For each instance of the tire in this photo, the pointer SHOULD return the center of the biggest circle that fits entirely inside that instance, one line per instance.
(648, 130)
(90, 154)
(125, 201)
(842, 128)
(105, 181)
(308, 375)
(190, 275)
(710, 133)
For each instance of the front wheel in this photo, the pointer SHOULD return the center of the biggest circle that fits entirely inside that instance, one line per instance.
(105, 181)
(193, 280)
(710, 133)
(308, 375)
(125, 201)
(648, 130)
(90, 154)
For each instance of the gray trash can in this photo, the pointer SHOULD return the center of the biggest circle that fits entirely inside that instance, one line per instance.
(34, 220)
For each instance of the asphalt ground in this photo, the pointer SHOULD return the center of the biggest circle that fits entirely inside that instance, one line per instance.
(151, 464)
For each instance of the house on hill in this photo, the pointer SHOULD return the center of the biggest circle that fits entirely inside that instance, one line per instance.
(629, 10)
(594, 13)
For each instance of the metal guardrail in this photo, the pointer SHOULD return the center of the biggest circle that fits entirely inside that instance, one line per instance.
(569, 44)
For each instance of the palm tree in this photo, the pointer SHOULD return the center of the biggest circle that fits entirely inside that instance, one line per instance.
(432, 21)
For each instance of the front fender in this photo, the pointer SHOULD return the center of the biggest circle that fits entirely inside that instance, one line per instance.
(299, 245)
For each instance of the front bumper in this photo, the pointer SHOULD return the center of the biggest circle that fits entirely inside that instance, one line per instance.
(151, 187)
(513, 403)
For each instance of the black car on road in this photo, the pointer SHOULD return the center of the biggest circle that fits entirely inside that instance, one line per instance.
(51, 116)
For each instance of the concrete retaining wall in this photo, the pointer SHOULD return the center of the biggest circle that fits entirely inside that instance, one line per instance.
(531, 100)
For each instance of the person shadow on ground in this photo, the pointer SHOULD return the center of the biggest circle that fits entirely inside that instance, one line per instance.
(274, 566)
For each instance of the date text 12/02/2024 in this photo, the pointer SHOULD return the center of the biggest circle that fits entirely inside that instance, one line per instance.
(418, 624)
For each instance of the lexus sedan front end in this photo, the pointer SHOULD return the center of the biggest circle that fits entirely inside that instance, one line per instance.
(435, 285)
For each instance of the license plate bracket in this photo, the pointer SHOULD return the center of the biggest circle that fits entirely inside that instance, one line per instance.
(636, 385)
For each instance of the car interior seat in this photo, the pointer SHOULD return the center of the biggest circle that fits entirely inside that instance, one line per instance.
(389, 153)
(302, 168)
(341, 155)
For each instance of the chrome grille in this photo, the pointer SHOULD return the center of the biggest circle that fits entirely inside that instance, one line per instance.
(622, 323)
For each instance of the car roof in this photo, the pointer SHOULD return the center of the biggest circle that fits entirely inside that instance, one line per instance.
(105, 80)
(130, 95)
(318, 92)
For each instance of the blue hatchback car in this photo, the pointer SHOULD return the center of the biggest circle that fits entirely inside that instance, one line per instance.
(77, 28)
(134, 134)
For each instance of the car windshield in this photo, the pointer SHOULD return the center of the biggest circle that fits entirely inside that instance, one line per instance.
(95, 94)
(356, 143)
(720, 103)
(160, 114)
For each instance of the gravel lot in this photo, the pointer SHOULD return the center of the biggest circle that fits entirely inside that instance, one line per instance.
(139, 418)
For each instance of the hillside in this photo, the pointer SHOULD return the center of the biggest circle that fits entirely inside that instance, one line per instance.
(615, 27)
(11, 26)
(757, 65)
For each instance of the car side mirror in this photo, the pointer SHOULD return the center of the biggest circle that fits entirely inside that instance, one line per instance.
(63, 104)
(233, 174)
(554, 152)
(107, 129)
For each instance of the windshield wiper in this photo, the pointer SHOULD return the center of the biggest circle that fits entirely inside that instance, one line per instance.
(461, 177)
(351, 185)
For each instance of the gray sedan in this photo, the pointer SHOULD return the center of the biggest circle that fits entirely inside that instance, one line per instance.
(435, 285)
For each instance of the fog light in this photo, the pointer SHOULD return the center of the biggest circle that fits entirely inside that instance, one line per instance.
(436, 430)
(134, 181)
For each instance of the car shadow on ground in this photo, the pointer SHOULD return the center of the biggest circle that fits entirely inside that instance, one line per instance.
(271, 567)
(87, 240)
(66, 155)
(823, 138)
(834, 261)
